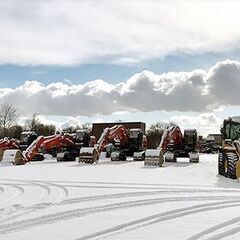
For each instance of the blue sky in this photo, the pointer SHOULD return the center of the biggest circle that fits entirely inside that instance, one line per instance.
(88, 61)
(14, 75)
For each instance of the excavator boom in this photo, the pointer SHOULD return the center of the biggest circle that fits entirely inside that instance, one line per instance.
(155, 157)
(91, 154)
(173, 144)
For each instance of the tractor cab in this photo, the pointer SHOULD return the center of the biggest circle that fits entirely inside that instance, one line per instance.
(231, 128)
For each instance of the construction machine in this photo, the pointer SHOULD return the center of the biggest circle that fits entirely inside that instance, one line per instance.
(126, 143)
(229, 152)
(173, 145)
(37, 149)
(81, 138)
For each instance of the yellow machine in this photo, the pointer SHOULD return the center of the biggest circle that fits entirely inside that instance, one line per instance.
(229, 154)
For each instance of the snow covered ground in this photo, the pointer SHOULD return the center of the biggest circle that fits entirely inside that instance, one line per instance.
(118, 200)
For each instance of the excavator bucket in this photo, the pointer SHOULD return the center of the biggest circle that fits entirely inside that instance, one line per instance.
(153, 157)
(13, 156)
(88, 155)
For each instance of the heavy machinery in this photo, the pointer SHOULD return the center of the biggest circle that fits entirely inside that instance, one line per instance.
(37, 149)
(173, 145)
(17, 157)
(209, 145)
(229, 153)
(81, 138)
(126, 143)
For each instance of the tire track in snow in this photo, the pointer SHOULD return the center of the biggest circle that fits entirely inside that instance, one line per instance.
(18, 191)
(45, 190)
(80, 212)
(142, 184)
(165, 216)
(130, 194)
(226, 234)
(64, 189)
(27, 210)
(215, 228)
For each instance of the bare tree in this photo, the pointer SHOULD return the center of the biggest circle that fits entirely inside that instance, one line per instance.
(154, 134)
(87, 125)
(8, 116)
(31, 124)
(34, 124)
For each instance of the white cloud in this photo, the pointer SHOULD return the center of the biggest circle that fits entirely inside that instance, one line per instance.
(205, 123)
(71, 122)
(143, 92)
(67, 32)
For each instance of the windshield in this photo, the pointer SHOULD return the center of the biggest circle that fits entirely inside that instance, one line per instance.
(232, 131)
(189, 136)
(134, 133)
(24, 138)
(79, 135)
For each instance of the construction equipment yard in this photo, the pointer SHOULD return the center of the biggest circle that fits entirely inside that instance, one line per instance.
(118, 200)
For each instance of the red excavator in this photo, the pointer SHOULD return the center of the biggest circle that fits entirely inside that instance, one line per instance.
(173, 145)
(126, 143)
(35, 151)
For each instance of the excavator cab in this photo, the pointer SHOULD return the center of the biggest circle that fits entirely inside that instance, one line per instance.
(26, 139)
(82, 138)
(136, 144)
(135, 140)
(190, 140)
(229, 153)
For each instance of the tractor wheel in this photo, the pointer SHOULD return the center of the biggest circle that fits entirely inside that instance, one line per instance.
(221, 164)
(232, 159)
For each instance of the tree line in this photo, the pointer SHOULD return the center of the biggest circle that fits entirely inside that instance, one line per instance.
(9, 126)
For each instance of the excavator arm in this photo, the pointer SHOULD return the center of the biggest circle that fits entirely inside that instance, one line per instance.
(32, 150)
(171, 135)
(91, 154)
(118, 131)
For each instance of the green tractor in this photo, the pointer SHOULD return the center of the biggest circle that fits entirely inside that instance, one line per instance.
(229, 153)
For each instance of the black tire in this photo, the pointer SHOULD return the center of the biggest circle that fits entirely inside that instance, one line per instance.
(221, 164)
(232, 159)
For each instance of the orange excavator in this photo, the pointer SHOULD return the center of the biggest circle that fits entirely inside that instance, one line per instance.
(173, 145)
(37, 148)
(126, 143)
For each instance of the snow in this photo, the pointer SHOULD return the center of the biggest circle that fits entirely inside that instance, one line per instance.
(118, 200)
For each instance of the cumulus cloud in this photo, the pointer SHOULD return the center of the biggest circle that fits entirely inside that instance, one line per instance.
(67, 32)
(71, 122)
(197, 91)
(206, 123)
